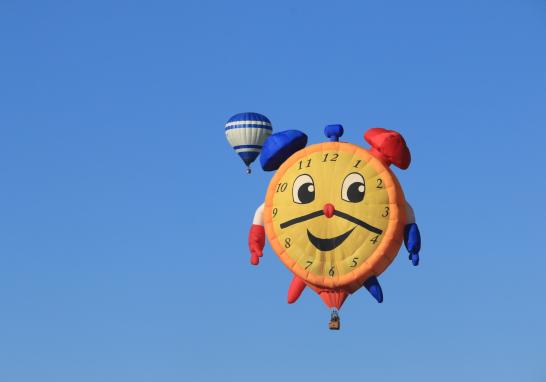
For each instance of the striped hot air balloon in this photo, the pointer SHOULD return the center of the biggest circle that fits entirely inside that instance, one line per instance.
(246, 133)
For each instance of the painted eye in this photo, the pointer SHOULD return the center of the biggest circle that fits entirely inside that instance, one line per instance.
(353, 188)
(303, 191)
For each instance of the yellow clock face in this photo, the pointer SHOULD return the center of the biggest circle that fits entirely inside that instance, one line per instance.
(334, 214)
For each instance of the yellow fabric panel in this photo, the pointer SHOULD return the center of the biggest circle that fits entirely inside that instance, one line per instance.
(362, 253)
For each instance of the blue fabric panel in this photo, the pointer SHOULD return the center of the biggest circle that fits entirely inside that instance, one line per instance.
(247, 147)
(373, 286)
(249, 116)
(333, 132)
(279, 147)
(248, 156)
(412, 238)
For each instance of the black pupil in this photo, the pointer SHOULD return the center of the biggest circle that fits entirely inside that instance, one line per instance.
(306, 193)
(355, 192)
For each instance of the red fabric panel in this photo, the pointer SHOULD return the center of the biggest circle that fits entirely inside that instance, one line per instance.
(388, 146)
(334, 298)
(296, 287)
(256, 243)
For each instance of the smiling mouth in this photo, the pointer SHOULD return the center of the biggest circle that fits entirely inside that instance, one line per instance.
(329, 243)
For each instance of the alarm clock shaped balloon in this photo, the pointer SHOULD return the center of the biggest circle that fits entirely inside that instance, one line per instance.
(334, 212)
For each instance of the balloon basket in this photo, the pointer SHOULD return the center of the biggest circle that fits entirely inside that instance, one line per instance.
(334, 323)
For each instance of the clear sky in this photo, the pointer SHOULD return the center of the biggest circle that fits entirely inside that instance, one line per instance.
(124, 213)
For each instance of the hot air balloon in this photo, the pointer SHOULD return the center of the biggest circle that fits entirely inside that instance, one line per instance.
(335, 213)
(246, 133)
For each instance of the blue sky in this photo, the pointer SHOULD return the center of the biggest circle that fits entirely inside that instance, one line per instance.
(124, 212)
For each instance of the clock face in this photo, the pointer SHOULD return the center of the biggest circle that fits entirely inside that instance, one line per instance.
(334, 214)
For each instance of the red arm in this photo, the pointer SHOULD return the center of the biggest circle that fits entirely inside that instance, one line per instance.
(256, 237)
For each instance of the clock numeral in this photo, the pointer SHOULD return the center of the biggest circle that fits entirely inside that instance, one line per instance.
(357, 163)
(287, 242)
(374, 239)
(332, 159)
(379, 183)
(275, 210)
(281, 187)
(386, 212)
(302, 164)
(331, 272)
(354, 262)
(309, 263)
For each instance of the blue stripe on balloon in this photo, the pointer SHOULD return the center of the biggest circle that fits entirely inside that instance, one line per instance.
(247, 147)
(250, 126)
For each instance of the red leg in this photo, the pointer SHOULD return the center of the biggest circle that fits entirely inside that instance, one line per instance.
(296, 287)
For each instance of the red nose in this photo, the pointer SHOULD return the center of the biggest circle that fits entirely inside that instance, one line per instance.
(328, 210)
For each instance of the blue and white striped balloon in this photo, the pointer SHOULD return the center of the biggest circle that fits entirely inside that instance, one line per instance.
(246, 133)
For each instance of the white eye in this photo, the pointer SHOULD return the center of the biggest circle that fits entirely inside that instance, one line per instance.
(303, 191)
(353, 188)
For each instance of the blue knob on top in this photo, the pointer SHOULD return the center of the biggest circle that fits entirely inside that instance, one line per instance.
(333, 132)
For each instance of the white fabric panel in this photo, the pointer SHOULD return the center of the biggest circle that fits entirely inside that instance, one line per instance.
(247, 136)
(238, 123)
(410, 215)
(259, 215)
(247, 150)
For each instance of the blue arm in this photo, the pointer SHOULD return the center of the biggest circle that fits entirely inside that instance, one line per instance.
(412, 241)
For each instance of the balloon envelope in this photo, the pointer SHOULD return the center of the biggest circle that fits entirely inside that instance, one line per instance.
(246, 133)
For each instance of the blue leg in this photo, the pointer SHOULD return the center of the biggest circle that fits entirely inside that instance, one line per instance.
(372, 285)
(412, 240)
